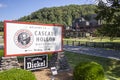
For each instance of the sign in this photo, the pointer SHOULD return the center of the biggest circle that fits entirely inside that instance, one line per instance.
(54, 71)
(35, 62)
(23, 38)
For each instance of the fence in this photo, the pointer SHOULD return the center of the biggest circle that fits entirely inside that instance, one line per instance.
(109, 45)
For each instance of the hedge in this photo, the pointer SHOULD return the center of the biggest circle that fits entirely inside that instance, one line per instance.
(17, 74)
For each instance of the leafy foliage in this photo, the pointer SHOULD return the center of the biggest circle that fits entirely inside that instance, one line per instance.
(1, 52)
(111, 66)
(17, 74)
(1, 24)
(109, 13)
(88, 71)
(60, 15)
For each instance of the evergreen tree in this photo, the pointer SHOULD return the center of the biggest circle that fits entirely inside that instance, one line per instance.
(109, 13)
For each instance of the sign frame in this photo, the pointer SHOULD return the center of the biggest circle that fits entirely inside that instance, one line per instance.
(35, 56)
(28, 23)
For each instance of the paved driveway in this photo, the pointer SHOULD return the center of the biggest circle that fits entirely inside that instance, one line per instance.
(114, 54)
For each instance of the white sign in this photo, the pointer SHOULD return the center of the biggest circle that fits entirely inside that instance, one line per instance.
(54, 71)
(27, 38)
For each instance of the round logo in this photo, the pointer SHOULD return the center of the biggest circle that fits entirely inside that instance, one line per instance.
(23, 38)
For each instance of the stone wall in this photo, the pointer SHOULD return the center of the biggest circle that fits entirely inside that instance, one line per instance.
(7, 63)
(59, 61)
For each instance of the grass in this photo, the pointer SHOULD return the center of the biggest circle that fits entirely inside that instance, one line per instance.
(111, 66)
(1, 52)
(105, 43)
(94, 39)
(1, 40)
(1, 33)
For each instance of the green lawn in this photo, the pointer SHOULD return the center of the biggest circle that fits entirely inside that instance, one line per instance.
(1, 33)
(111, 66)
(1, 52)
(94, 39)
(96, 42)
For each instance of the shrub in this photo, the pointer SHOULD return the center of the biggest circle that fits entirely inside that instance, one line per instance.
(16, 74)
(1, 53)
(88, 71)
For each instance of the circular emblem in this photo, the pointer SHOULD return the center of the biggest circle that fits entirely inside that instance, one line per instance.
(23, 38)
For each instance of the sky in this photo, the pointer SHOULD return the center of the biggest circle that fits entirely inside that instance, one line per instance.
(14, 9)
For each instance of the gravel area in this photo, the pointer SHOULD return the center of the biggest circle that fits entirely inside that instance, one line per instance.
(45, 74)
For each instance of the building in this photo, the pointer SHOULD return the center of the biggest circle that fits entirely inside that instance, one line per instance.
(82, 27)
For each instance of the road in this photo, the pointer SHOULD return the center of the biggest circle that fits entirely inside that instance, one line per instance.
(113, 54)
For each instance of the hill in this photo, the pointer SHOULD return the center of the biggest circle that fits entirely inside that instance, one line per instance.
(60, 15)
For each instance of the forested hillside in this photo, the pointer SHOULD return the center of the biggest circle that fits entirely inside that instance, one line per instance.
(61, 15)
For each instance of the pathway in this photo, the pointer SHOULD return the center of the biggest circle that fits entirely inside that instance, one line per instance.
(113, 54)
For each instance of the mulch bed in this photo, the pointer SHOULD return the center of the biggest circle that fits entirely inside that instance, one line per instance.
(45, 74)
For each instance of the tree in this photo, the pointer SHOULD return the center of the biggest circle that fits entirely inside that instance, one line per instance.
(1, 26)
(60, 15)
(109, 13)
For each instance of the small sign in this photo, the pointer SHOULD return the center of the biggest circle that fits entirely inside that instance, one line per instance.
(35, 62)
(54, 71)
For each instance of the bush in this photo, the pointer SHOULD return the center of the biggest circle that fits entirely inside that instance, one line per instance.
(16, 74)
(88, 71)
(1, 53)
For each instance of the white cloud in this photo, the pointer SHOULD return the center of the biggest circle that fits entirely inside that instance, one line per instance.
(2, 5)
(105, 1)
(97, 1)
